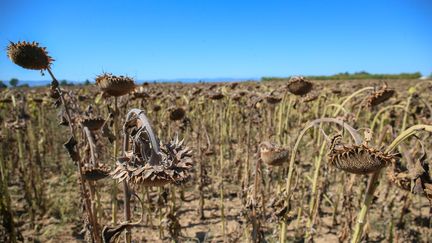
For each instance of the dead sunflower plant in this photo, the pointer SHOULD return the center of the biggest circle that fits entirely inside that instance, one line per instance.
(148, 162)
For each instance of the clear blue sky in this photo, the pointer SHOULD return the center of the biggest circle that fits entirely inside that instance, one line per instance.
(220, 38)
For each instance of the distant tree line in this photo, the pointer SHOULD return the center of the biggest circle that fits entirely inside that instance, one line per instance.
(357, 75)
(14, 83)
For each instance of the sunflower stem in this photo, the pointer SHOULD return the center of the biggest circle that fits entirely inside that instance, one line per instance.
(311, 124)
(84, 191)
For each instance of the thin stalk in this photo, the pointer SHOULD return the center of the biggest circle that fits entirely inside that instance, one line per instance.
(405, 117)
(255, 220)
(221, 164)
(24, 176)
(350, 97)
(311, 124)
(93, 191)
(248, 138)
(201, 179)
(87, 203)
(114, 202)
(280, 112)
(126, 191)
(375, 120)
(5, 202)
(36, 171)
(313, 199)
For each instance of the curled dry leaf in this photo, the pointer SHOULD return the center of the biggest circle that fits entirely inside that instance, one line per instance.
(106, 132)
(417, 179)
(70, 146)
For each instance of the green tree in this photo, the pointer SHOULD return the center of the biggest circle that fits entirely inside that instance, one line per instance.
(87, 82)
(64, 82)
(2, 85)
(14, 82)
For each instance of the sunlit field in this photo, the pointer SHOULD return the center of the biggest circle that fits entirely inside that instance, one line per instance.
(287, 160)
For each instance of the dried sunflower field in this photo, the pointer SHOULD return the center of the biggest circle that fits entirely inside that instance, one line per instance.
(277, 161)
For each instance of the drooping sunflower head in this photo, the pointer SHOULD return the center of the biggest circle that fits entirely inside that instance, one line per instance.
(357, 159)
(176, 113)
(215, 95)
(299, 85)
(272, 154)
(380, 96)
(150, 162)
(115, 85)
(93, 123)
(95, 172)
(174, 167)
(273, 99)
(29, 55)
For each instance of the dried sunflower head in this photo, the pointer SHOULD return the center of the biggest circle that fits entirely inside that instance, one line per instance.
(93, 124)
(174, 166)
(379, 96)
(273, 155)
(233, 85)
(309, 97)
(214, 95)
(115, 85)
(272, 99)
(140, 93)
(149, 162)
(171, 166)
(156, 108)
(95, 172)
(357, 159)
(29, 55)
(176, 113)
(299, 85)
(6, 100)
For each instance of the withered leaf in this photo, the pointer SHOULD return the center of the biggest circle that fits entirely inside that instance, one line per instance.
(106, 132)
(70, 147)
